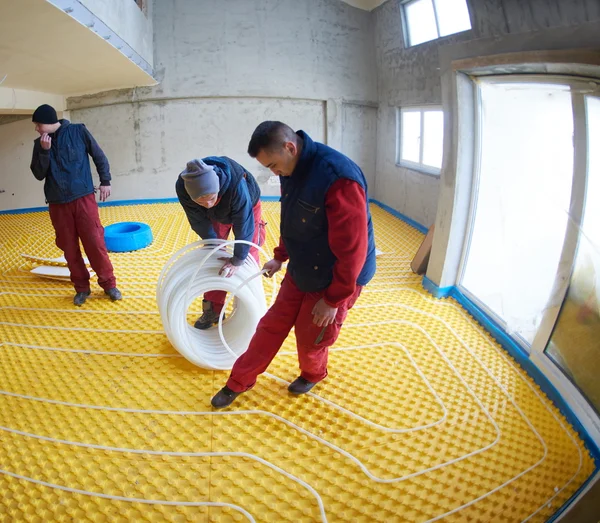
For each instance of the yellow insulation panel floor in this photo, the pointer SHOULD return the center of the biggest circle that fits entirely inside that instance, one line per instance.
(423, 416)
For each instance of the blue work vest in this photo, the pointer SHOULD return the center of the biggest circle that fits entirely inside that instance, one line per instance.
(304, 227)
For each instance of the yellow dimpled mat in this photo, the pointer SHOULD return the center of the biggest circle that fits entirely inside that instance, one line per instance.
(423, 417)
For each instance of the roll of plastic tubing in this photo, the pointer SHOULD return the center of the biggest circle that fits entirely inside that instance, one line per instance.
(192, 271)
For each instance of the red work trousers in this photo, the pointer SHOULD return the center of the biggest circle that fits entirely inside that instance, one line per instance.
(292, 308)
(79, 220)
(222, 230)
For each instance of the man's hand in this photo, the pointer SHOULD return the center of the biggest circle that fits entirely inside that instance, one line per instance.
(104, 192)
(46, 142)
(228, 269)
(323, 314)
(272, 267)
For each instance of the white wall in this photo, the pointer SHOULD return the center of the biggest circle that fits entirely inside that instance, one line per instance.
(224, 67)
(20, 187)
(148, 144)
(126, 19)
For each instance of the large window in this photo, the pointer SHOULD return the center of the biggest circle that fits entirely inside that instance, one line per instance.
(420, 138)
(426, 20)
(532, 254)
(522, 200)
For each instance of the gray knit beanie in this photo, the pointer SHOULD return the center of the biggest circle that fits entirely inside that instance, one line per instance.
(200, 179)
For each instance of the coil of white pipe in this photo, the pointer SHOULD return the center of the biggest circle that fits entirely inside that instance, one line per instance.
(191, 272)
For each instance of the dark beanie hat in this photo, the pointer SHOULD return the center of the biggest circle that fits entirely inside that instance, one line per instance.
(45, 114)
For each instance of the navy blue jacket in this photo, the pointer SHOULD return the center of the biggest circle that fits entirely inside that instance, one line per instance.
(66, 166)
(304, 227)
(238, 194)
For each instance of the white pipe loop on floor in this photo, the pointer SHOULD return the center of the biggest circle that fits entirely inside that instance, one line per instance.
(191, 272)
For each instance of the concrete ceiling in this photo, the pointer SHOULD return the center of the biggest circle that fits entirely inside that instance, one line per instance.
(43, 49)
(367, 5)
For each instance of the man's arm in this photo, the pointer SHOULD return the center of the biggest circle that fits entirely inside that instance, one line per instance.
(242, 219)
(40, 161)
(346, 210)
(100, 160)
(280, 252)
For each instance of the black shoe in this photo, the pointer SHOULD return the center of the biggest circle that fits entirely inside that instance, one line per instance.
(300, 386)
(114, 294)
(224, 398)
(209, 316)
(80, 298)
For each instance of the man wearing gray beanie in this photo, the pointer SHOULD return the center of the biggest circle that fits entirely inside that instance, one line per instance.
(218, 195)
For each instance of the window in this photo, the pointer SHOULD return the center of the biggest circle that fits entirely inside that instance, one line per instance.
(426, 20)
(531, 257)
(420, 138)
(523, 196)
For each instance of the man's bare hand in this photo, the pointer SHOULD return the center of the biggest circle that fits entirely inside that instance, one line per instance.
(46, 142)
(104, 192)
(228, 269)
(323, 314)
(272, 267)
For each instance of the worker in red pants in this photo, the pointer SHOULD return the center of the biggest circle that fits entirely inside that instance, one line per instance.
(219, 195)
(60, 158)
(327, 235)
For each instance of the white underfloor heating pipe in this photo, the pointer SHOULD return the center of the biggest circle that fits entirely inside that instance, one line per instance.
(191, 272)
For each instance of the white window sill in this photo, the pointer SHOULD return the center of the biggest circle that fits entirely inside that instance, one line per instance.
(422, 169)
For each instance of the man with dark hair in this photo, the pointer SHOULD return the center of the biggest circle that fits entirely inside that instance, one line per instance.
(327, 235)
(60, 158)
(217, 195)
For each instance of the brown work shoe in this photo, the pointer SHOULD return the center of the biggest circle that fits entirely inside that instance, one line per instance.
(209, 316)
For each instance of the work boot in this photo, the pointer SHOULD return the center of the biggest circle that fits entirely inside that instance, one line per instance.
(300, 386)
(209, 317)
(80, 298)
(114, 294)
(224, 398)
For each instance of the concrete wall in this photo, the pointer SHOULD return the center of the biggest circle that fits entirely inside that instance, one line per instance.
(359, 138)
(225, 66)
(411, 76)
(149, 143)
(126, 19)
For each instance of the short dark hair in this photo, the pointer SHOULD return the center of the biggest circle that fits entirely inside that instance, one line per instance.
(270, 135)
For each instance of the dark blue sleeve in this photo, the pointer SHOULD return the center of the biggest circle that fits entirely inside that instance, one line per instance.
(242, 219)
(40, 161)
(97, 154)
(198, 219)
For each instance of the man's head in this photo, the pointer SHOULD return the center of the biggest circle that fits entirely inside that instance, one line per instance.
(201, 183)
(45, 119)
(276, 146)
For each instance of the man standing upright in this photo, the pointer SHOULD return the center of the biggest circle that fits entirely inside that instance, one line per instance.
(327, 235)
(60, 158)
